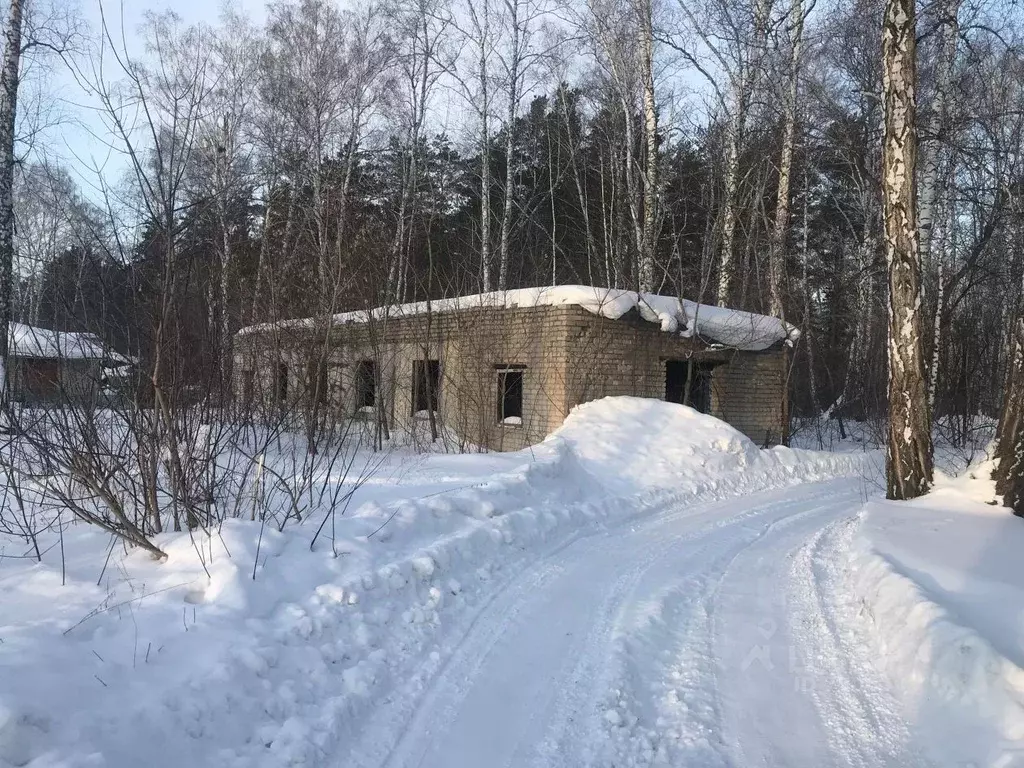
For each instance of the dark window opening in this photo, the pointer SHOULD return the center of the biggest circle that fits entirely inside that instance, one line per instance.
(688, 383)
(316, 382)
(41, 378)
(282, 382)
(426, 379)
(366, 384)
(510, 395)
(248, 385)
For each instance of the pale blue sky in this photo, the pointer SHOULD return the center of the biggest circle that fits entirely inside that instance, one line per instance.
(189, 10)
(73, 143)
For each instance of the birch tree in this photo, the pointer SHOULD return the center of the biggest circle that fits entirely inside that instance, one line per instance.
(51, 28)
(477, 89)
(226, 152)
(725, 43)
(909, 454)
(608, 26)
(743, 84)
(949, 33)
(305, 82)
(780, 224)
(8, 114)
(51, 218)
(623, 36)
(644, 11)
(519, 56)
(949, 27)
(424, 56)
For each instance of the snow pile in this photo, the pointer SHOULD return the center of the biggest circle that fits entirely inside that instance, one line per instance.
(718, 325)
(631, 443)
(247, 648)
(634, 445)
(938, 581)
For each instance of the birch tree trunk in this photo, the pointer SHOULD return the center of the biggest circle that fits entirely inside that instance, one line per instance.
(482, 20)
(510, 186)
(581, 194)
(485, 197)
(744, 84)
(930, 179)
(223, 155)
(629, 171)
(514, 75)
(553, 166)
(909, 455)
(420, 57)
(650, 221)
(780, 227)
(732, 166)
(319, 205)
(351, 152)
(8, 111)
(808, 338)
(936, 123)
(261, 259)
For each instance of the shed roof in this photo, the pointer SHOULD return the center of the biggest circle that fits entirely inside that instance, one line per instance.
(717, 325)
(31, 341)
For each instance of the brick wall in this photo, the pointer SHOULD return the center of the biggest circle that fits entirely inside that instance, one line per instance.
(747, 393)
(569, 356)
(469, 346)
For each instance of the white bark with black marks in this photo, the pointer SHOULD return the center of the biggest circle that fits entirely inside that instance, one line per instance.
(744, 84)
(930, 155)
(909, 455)
(9, 79)
(645, 28)
(780, 226)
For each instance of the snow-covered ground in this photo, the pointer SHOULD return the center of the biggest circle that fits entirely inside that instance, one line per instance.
(644, 588)
(939, 582)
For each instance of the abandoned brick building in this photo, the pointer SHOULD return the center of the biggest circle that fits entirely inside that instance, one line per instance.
(47, 366)
(502, 370)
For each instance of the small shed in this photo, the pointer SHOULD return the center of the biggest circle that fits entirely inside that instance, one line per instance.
(502, 370)
(47, 366)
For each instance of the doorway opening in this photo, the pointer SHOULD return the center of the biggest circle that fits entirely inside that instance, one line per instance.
(688, 383)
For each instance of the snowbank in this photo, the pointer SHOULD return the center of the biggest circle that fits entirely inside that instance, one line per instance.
(635, 446)
(939, 585)
(720, 325)
(246, 648)
(631, 443)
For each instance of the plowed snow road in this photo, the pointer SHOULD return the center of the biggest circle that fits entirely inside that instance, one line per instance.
(702, 636)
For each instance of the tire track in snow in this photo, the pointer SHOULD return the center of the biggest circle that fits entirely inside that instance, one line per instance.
(520, 687)
(791, 692)
(574, 725)
(412, 700)
(858, 707)
(671, 710)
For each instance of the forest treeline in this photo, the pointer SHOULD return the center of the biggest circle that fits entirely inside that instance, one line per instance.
(726, 151)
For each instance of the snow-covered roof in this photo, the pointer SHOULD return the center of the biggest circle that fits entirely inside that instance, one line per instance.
(30, 341)
(717, 325)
